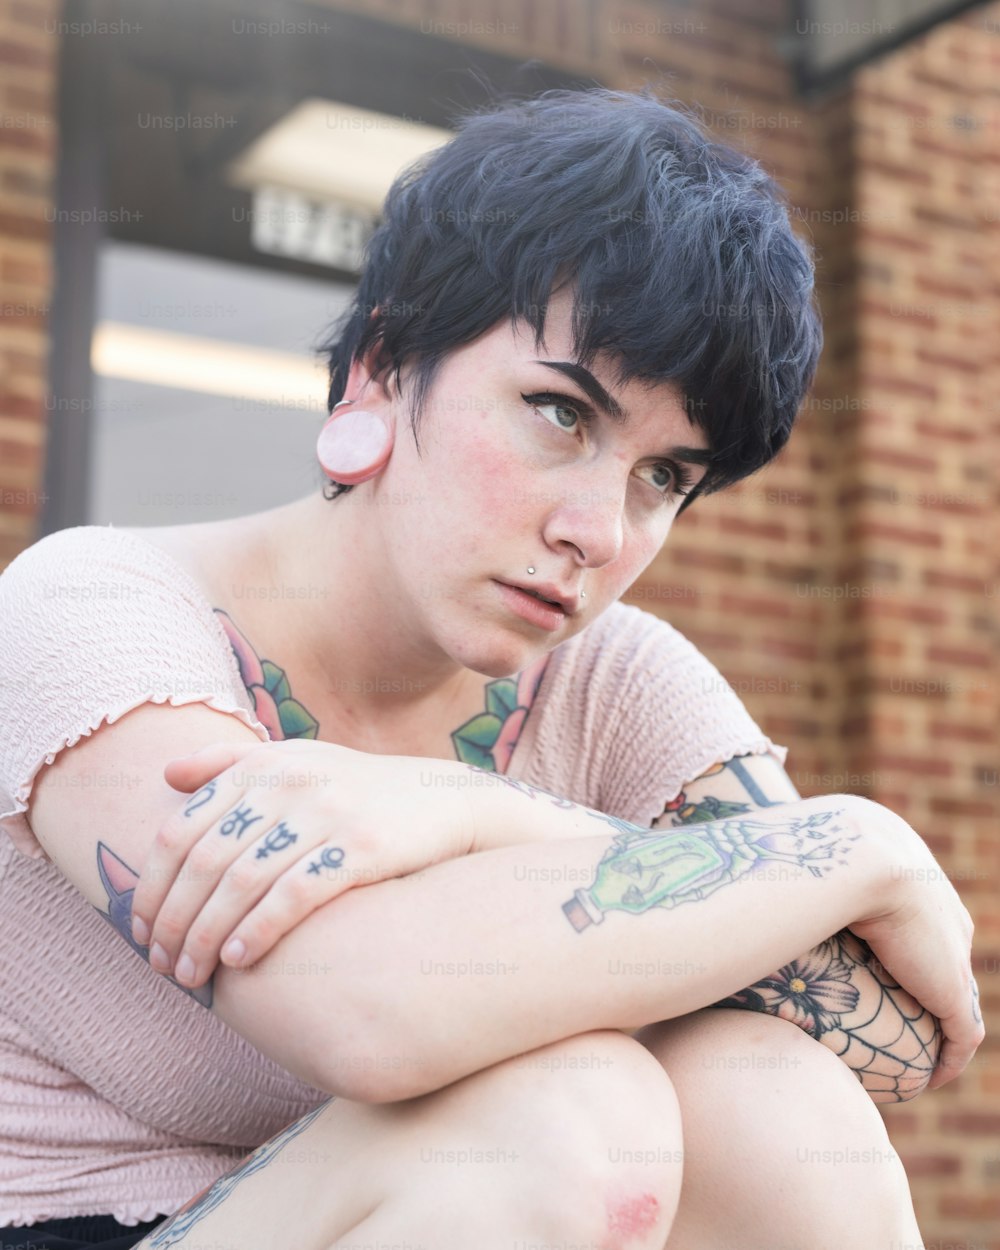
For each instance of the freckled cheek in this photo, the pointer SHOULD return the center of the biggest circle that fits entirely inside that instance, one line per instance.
(489, 475)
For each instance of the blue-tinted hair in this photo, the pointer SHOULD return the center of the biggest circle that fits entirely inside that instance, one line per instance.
(678, 249)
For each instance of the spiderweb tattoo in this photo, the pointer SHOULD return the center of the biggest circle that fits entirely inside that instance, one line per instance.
(840, 994)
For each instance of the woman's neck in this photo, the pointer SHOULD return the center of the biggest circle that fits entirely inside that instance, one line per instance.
(319, 562)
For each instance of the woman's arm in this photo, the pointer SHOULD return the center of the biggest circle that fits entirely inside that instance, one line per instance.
(430, 977)
(838, 993)
(402, 986)
(841, 995)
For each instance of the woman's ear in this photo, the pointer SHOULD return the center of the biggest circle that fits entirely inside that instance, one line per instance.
(355, 445)
(361, 383)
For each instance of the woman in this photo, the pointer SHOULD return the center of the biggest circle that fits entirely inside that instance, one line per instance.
(591, 314)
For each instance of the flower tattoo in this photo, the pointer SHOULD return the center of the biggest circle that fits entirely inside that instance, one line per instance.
(813, 992)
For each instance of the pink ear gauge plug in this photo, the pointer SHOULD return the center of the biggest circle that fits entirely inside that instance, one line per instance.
(353, 446)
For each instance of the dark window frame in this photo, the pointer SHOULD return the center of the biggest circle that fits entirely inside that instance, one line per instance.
(181, 56)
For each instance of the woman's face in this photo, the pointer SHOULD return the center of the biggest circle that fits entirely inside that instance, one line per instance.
(510, 475)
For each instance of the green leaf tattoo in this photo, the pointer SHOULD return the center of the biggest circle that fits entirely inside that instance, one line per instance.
(501, 697)
(268, 687)
(487, 740)
(475, 739)
(275, 681)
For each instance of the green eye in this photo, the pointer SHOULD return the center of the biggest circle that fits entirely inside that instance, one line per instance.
(562, 403)
(677, 474)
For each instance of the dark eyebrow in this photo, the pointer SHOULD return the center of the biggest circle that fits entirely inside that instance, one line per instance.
(596, 393)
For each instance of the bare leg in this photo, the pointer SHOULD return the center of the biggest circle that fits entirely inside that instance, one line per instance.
(783, 1148)
(576, 1142)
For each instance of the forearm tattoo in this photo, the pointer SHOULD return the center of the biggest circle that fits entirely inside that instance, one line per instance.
(842, 996)
(837, 993)
(651, 868)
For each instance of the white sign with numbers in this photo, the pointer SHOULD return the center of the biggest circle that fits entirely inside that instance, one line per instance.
(287, 223)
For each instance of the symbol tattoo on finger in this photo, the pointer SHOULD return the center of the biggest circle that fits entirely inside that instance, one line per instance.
(200, 797)
(239, 822)
(331, 857)
(278, 839)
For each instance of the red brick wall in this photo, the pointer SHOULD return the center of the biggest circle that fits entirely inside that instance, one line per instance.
(928, 162)
(860, 611)
(849, 592)
(28, 51)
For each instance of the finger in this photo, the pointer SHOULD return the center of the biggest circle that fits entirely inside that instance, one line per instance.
(282, 902)
(190, 772)
(245, 822)
(962, 1039)
(955, 1056)
(218, 805)
(237, 858)
(316, 879)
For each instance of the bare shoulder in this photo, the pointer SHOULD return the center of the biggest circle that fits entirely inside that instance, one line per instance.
(203, 549)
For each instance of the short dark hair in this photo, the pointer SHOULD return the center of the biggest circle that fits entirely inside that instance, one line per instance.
(679, 249)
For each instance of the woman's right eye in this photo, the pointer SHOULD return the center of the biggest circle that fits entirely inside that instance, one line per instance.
(558, 403)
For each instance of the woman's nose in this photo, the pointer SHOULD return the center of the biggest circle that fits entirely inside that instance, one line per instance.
(591, 517)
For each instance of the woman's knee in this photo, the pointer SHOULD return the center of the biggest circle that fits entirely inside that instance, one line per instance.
(770, 1108)
(721, 1052)
(594, 1123)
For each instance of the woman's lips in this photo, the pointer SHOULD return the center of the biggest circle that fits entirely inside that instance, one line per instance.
(545, 615)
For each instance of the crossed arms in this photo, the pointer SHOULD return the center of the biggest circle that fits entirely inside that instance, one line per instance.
(479, 948)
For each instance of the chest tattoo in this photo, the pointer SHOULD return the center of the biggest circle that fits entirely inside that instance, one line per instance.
(486, 740)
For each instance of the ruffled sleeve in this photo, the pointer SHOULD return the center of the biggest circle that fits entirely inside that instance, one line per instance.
(677, 716)
(93, 623)
(628, 712)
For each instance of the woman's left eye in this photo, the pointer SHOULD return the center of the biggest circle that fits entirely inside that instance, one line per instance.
(678, 479)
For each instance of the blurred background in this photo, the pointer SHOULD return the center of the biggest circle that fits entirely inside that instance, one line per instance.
(185, 189)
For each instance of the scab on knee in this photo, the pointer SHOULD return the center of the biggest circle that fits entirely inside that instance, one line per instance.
(631, 1219)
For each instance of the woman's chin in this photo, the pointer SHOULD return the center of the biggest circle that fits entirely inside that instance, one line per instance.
(501, 662)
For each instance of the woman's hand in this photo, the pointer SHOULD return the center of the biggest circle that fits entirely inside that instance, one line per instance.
(921, 933)
(273, 830)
